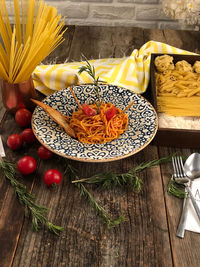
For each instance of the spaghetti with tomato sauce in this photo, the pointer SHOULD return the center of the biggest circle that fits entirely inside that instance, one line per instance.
(101, 126)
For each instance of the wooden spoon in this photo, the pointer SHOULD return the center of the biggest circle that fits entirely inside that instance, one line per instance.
(57, 117)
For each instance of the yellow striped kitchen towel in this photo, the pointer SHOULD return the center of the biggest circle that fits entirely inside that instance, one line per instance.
(129, 72)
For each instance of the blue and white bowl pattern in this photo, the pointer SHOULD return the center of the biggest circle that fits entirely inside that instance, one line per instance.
(142, 127)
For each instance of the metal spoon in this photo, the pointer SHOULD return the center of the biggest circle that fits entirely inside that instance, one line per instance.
(192, 166)
(192, 170)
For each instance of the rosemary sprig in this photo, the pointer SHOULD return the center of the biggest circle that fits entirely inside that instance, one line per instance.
(91, 71)
(176, 189)
(72, 173)
(38, 213)
(108, 179)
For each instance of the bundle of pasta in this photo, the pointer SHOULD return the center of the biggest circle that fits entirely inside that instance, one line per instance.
(177, 86)
(36, 32)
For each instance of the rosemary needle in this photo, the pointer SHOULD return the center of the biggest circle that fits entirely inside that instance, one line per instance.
(176, 190)
(38, 213)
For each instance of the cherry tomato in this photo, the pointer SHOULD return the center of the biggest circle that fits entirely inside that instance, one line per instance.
(88, 110)
(14, 141)
(23, 117)
(28, 136)
(44, 153)
(26, 165)
(110, 113)
(52, 177)
(20, 105)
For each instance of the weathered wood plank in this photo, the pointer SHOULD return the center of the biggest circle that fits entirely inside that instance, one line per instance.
(184, 252)
(157, 211)
(11, 212)
(2, 109)
(154, 35)
(105, 42)
(188, 40)
(141, 240)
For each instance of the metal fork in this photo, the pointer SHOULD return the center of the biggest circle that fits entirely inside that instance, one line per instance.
(180, 177)
(179, 174)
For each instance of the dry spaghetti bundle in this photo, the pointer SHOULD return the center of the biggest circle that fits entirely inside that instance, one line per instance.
(36, 32)
(97, 129)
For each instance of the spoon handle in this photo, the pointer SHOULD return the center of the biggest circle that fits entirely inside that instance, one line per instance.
(195, 205)
(181, 227)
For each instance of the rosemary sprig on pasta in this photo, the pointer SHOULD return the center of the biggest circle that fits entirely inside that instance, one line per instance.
(24, 47)
(91, 71)
(98, 122)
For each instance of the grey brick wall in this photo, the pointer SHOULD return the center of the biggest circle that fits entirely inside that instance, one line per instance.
(138, 13)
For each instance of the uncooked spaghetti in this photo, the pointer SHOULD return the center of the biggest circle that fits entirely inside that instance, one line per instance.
(98, 128)
(37, 31)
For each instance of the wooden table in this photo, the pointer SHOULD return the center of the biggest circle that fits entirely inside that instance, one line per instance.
(147, 237)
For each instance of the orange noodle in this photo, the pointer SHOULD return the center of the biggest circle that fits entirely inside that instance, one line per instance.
(98, 129)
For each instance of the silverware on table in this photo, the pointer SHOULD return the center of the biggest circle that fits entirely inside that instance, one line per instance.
(181, 177)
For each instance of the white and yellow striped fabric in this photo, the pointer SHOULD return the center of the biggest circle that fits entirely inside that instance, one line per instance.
(129, 72)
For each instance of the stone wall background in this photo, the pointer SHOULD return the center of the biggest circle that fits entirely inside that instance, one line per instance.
(137, 13)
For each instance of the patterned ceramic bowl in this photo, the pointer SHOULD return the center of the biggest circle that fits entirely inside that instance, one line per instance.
(143, 124)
